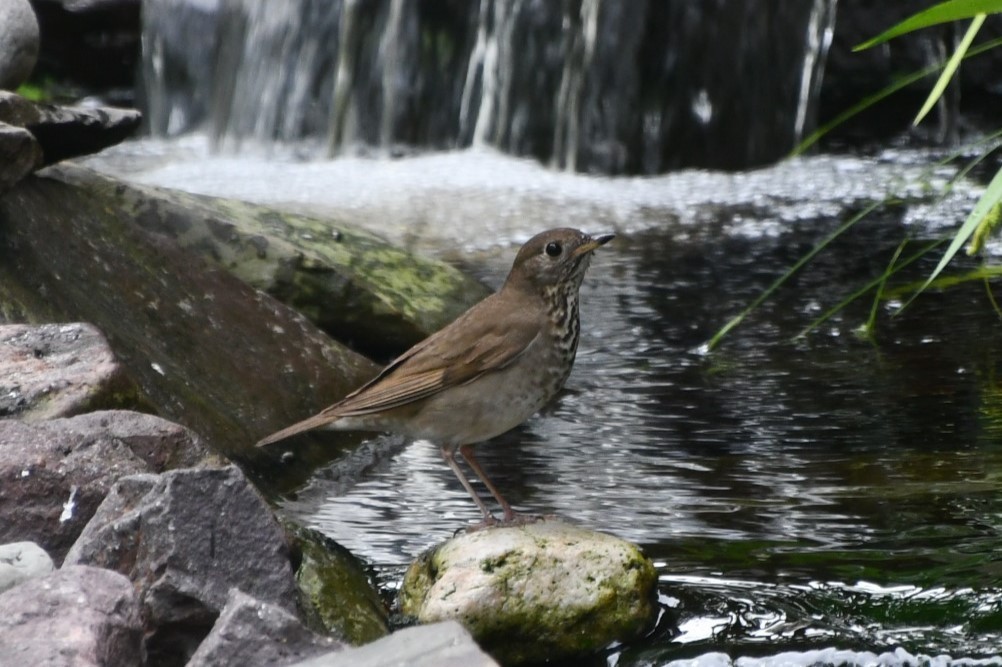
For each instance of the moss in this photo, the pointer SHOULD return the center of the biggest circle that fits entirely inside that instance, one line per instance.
(337, 593)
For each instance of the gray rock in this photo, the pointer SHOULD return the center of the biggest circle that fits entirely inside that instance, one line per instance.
(18, 42)
(543, 591)
(185, 538)
(60, 370)
(208, 350)
(56, 473)
(437, 645)
(355, 285)
(65, 132)
(80, 616)
(21, 561)
(251, 633)
(20, 155)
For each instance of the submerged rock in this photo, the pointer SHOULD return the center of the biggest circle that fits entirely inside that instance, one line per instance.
(81, 616)
(60, 370)
(185, 539)
(55, 473)
(251, 633)
(337, 590)
(543, 591)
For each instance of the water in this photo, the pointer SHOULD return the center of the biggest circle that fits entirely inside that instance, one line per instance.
(830, 492)
(830, 496)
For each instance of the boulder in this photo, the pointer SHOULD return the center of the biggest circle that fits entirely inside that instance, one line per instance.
(20, 155)
(336, 588)
(185, 539)
(208, 350)
(21, 561)
(371, 295)
(65, 132)
(251, 633)
(60, 370)
(56, 473)
(436, 645)
(542, 591)
(18, 42)
(80, 616)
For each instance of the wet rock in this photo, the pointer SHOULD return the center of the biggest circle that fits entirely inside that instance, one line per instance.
(20, 155)
(19, 40)
(21, 561)
(337, 589)
(362, 290)
(436, 645)
(208, 351)
(65, 132)
(54, 474)
(60, 370)
(251, 633)
(184, 539)
(546, 590)
(81, 616)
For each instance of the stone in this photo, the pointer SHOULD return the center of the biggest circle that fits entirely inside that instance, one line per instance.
(362, 290)
(546, 590)
(80, 616)
(207, 350)
(60, 370)
(337, 589)
(20, 155)
(21, 561)
(445, 644)
(54, 474)
(19, 42)
(185, 538)
(65, 132)
(251, 633)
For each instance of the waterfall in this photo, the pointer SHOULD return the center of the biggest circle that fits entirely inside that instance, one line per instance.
(587, 85)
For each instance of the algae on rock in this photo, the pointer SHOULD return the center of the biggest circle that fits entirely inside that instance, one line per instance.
(545, 590)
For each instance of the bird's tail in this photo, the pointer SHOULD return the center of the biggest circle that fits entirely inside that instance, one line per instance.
(316, 421)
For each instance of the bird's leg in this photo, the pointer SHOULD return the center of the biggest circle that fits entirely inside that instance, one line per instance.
(466, 451)
(448, 453)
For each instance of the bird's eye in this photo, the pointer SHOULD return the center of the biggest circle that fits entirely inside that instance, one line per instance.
(553, 249)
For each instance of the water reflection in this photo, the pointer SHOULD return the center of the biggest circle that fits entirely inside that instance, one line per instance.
(769, 476)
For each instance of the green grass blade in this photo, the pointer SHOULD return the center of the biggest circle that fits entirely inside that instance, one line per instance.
(951, 68)
(992, 195)
(737, 319)
(868, 102)
(952, 10)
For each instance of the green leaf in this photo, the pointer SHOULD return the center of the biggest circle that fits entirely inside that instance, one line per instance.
(991, 197)
(952, 10)
(951, 67)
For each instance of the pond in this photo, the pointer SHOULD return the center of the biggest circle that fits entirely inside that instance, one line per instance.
(825, 493)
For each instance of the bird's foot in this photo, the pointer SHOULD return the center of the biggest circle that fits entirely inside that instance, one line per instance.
(512, 520)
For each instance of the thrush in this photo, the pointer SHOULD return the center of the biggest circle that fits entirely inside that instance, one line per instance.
(486, 372)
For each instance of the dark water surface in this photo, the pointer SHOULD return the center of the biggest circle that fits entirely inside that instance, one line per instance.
(827, 493)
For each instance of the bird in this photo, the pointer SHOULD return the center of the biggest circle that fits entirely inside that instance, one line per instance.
(485, 373)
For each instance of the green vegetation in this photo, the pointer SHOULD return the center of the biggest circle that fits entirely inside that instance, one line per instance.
(984, 219)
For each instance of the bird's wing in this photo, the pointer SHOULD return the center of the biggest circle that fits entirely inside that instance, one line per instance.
(476, 343)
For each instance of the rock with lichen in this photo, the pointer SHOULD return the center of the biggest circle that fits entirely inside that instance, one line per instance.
(546, 590)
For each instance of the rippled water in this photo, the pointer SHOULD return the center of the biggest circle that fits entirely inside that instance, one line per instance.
(832, 497)
(829, 492)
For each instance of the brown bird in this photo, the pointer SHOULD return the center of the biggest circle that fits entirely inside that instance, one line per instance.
(486, 372)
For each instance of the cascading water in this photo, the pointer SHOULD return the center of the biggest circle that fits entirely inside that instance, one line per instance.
(586, 85)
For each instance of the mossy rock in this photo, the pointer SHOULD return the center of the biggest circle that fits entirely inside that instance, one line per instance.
(339, 598)
(543, 591)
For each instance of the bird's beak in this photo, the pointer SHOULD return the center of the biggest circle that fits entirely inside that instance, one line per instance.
(592, 243)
